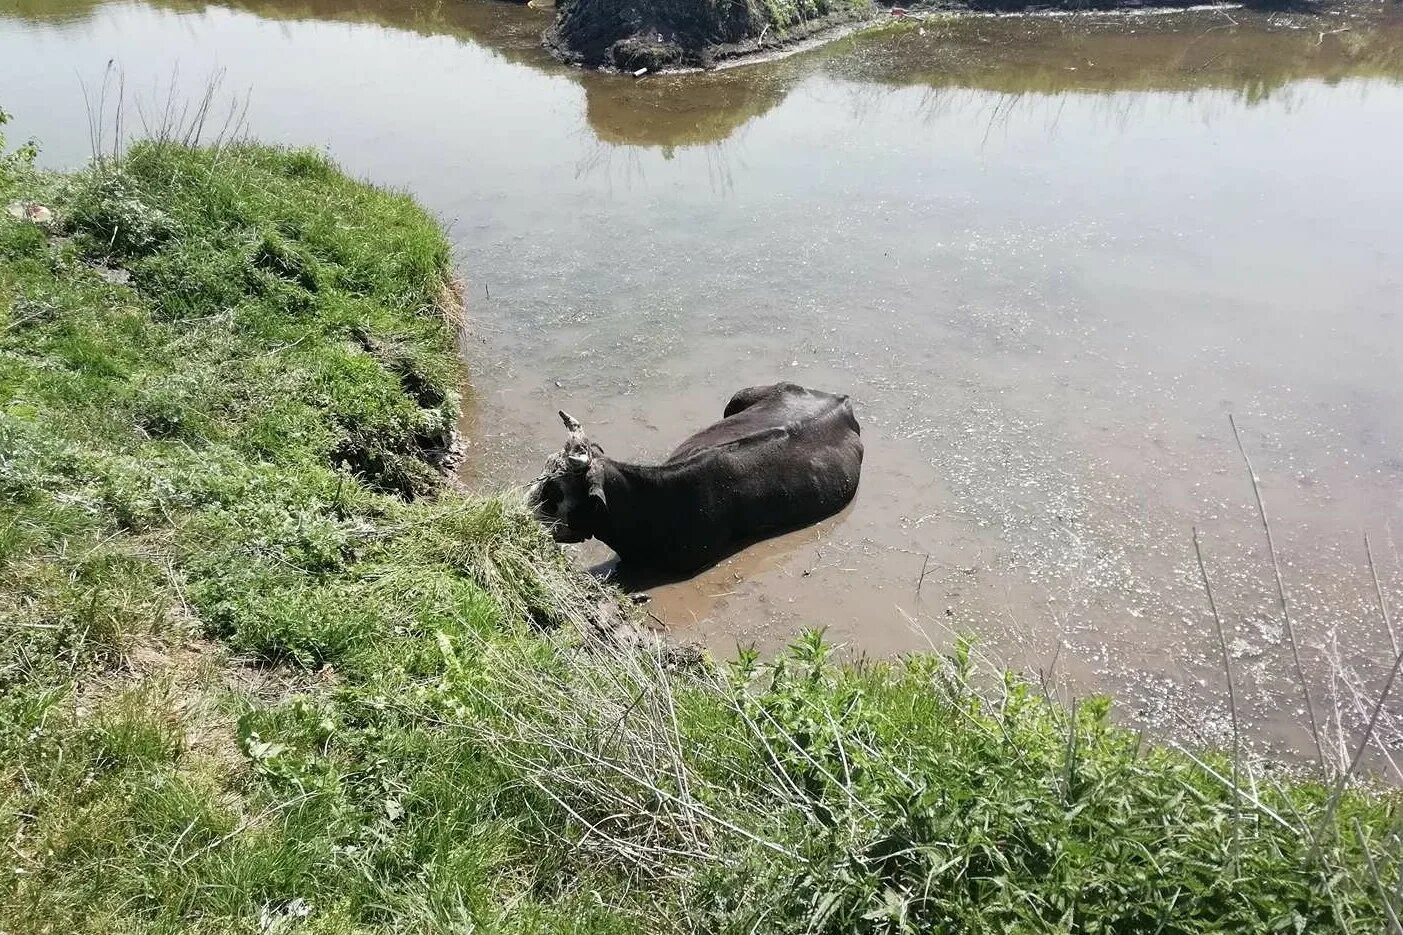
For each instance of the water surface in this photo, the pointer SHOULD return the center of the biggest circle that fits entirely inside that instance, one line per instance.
(1046, 256)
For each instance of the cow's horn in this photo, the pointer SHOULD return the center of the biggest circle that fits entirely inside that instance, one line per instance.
(571, 423)
(579, 460)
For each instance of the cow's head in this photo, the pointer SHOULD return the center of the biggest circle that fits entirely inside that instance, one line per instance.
(568, 497)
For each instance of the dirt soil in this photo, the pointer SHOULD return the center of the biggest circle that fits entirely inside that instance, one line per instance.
(639, 36)
(655, 35)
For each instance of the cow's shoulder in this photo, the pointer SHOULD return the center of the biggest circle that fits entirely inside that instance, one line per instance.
(804, 409)
(769, 393)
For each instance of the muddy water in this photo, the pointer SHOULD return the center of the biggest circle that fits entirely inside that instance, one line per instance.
(1047, 258)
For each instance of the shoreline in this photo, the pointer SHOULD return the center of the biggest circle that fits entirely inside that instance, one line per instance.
(726, 56)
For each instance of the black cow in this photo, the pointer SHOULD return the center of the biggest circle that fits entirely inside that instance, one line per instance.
(781, 457)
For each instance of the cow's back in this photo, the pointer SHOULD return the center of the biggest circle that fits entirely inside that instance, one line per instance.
(758, 415)
(785, 457)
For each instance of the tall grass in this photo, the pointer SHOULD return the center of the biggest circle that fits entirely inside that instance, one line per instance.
(211, 119)
(803, 795)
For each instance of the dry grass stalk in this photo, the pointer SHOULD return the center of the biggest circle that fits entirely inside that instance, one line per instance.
(96, 105)
(1363, 744)
(631, 767)
(176, 120)
(1281, 597)
(1250, 798)
(1232, 694)
(1379, 596)
(1394, 926)
(798, 748)
(1336, 669)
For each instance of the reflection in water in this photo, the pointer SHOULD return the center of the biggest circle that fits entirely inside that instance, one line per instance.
(1252, 54)
(510, 29)
(672, 111)
(1046, 257)
(663, 111)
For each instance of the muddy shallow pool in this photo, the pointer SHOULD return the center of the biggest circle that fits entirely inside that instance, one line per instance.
(1047, 257)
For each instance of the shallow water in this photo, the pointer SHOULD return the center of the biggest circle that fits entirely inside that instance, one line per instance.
(1046, 256)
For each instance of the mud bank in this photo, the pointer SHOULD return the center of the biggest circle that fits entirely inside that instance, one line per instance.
(654, 35)
(629, 35)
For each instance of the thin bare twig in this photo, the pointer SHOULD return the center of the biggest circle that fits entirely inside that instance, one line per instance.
(534, 734)
(1363, 745)
(1252, 800)
(1335, 665)
(1379, 596)
(1232, 696)
(1050, 674)
(1388, 724)
(1394, 925)
(1398, 884)
(1320, 39)
(1281, 596)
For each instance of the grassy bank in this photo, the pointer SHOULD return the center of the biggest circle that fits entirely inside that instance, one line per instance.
(262, 670)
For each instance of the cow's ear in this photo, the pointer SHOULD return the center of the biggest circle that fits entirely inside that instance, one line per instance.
(596, 494)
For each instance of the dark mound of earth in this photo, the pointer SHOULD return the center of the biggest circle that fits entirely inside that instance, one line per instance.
(657, 34)
(629, 35)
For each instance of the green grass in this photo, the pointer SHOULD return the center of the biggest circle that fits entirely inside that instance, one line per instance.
(214, 479)
(261, 670)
